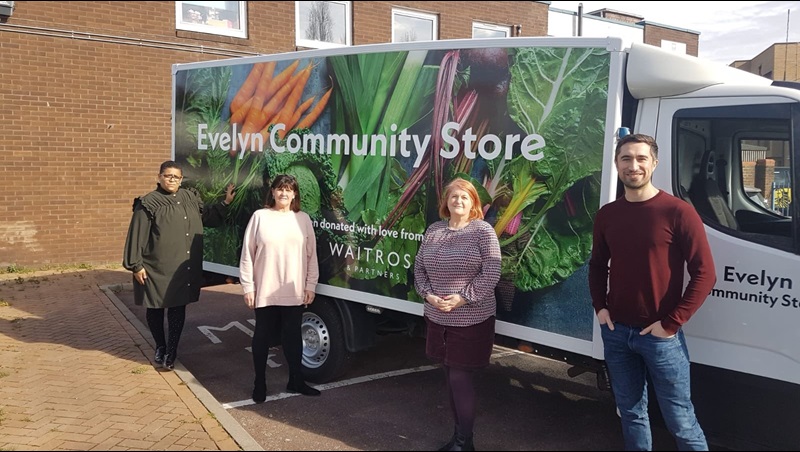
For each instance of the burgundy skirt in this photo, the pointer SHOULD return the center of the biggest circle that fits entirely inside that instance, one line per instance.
(463, 347)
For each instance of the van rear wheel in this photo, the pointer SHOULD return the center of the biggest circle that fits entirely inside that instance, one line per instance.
(325, 355)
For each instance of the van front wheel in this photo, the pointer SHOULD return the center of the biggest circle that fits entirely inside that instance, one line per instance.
(325, 355)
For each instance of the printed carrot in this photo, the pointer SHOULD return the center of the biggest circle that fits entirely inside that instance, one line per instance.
(248, 87)
(267, 76)
(295, 116)
(260, 95)
(315, 112)
(240, 115)
(279, 80)
(274, 105)
(297, 91)
(290, 105)
(254, 122)
(271, 96)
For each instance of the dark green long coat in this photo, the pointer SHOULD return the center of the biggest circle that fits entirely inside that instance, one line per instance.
(165, 238)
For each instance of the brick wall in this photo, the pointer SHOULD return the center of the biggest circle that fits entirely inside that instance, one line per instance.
(654, 34)
(765, 176)
(781, 61)
(85, 105)
(372, 21)
(749, 174)
(86, 114)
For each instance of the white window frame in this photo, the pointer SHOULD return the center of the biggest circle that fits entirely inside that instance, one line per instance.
(210, 29)
(417, 15)
(674, 46)
(492, 27)
(314, 44)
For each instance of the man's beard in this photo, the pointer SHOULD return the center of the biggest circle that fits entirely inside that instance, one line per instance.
(635, 185)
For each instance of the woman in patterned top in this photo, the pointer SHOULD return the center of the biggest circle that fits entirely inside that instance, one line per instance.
(456, 271)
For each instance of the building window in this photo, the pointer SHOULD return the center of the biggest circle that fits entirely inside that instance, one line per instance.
(481, 30)
(672, 46)
(323, 24)
(219, 18)
(409, 26)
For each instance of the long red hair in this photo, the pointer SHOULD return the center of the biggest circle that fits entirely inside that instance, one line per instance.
(460, 184)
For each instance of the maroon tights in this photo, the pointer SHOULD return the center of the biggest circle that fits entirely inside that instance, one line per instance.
(461, 389)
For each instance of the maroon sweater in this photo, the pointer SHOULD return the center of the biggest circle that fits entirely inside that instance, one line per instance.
(647, 244)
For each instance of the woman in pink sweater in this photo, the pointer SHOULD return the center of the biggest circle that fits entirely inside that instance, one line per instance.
(278, 272)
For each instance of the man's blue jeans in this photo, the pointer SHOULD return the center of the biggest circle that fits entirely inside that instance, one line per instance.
(631, 358)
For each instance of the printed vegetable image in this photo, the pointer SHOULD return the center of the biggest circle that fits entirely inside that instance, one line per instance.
(267, 98)
(269, 93)
(555, 92)
(373, 138)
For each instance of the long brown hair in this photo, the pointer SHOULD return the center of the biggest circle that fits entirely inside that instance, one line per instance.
(282, 181)
(460, 184)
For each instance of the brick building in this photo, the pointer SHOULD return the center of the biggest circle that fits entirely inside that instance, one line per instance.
(781, 61)
(85, 99)
(632, 27)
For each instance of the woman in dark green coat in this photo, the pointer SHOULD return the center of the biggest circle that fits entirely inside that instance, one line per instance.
(164, 250)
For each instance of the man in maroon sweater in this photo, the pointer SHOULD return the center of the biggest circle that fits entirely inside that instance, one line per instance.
(643, 241)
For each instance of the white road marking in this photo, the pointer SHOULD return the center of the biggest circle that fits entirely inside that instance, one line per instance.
(357, 380)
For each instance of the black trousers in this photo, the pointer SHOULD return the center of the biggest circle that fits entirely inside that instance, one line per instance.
(278, 325)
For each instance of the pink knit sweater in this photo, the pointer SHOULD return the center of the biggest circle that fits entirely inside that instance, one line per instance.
(279, 258)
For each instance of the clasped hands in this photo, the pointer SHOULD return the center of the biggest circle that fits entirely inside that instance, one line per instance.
(446, 303)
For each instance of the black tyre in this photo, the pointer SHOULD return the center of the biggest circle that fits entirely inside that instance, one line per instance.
(325, 356)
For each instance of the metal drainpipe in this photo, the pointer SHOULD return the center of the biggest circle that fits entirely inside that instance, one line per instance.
(580, 19)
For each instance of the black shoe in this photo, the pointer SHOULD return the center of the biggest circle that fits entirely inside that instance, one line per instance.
(459, 442)
(451, 442)
(159, 358)
(260, 393)
(169, 361)
(301, 388)
(449, 445)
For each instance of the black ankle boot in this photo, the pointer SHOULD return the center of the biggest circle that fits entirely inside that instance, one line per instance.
(300, 387)
(449, 444)
(160, 352)
(260, 392)
(461, 442)
(169, 361)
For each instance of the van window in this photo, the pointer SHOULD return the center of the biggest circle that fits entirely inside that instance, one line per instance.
(734, 165)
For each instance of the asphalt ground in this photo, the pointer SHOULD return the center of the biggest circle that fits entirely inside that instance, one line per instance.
(76, 373)
(392, 397)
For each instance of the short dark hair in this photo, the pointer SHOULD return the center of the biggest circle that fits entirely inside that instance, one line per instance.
(638, 138)
(281, 181)
(169, 164)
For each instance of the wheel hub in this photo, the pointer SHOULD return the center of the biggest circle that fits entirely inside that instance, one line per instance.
(316, 341)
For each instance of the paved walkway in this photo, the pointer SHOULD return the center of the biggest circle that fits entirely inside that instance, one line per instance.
(76, 374)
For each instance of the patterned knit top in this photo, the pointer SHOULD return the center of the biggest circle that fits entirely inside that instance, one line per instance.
(465, 262)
